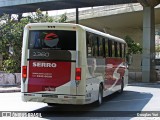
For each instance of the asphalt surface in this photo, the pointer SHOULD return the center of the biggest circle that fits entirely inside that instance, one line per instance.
(137, 101)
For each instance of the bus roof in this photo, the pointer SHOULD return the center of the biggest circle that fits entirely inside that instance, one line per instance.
(114, 38)
(102, 34)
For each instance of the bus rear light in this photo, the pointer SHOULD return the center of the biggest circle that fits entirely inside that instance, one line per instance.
(78, 74)
(24, 71)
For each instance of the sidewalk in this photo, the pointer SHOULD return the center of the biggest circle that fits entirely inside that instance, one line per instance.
(10, 89)
(143, 83)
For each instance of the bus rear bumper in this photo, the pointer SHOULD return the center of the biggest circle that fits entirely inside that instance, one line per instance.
(58, 99)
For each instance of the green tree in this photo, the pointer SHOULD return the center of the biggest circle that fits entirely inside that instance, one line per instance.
(133, 47)
(11, 35)
(157, 48)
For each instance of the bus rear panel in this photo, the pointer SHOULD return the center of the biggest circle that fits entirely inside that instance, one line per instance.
(49, 73)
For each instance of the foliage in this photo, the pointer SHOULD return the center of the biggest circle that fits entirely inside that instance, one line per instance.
(40, 17)
(11, 35)
(133, 47)
(157, 48)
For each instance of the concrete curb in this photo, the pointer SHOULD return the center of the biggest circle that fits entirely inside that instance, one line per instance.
(9, 90)
(141, 83)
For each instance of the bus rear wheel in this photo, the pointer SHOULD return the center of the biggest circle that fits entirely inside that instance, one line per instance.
(122, 87)
(100, 96)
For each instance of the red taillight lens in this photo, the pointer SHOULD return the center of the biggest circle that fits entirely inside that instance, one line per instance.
(24, 71)
(78, 74)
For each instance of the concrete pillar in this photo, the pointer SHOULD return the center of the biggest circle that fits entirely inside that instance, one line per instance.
(77, 16)
(152, 3)
(148, 57)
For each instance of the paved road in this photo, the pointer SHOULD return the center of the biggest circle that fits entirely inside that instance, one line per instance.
(134, 99)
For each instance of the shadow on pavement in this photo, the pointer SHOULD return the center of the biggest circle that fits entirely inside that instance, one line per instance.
(128, 104)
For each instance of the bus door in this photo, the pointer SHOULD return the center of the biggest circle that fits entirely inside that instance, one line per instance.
(51, 61)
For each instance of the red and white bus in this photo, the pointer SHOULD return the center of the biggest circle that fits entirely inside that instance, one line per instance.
(65, 63)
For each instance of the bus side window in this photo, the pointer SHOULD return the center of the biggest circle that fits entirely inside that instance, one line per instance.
(95, 46)
(106, 48)
(120, 48)
(116, 49)
(123, 51)
(101, 47)
(89, 44)
(97, 41)
(110, 48)
(113, 49)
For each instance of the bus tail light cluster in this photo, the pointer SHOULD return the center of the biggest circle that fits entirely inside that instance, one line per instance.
(24, 71)
(78, 74)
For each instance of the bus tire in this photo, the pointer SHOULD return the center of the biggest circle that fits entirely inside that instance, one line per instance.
(122, 87)
(100, 95)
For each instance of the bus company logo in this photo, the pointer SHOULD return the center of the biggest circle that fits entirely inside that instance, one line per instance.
(43, 64)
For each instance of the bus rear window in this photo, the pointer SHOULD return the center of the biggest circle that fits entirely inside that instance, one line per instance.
(52, 39)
